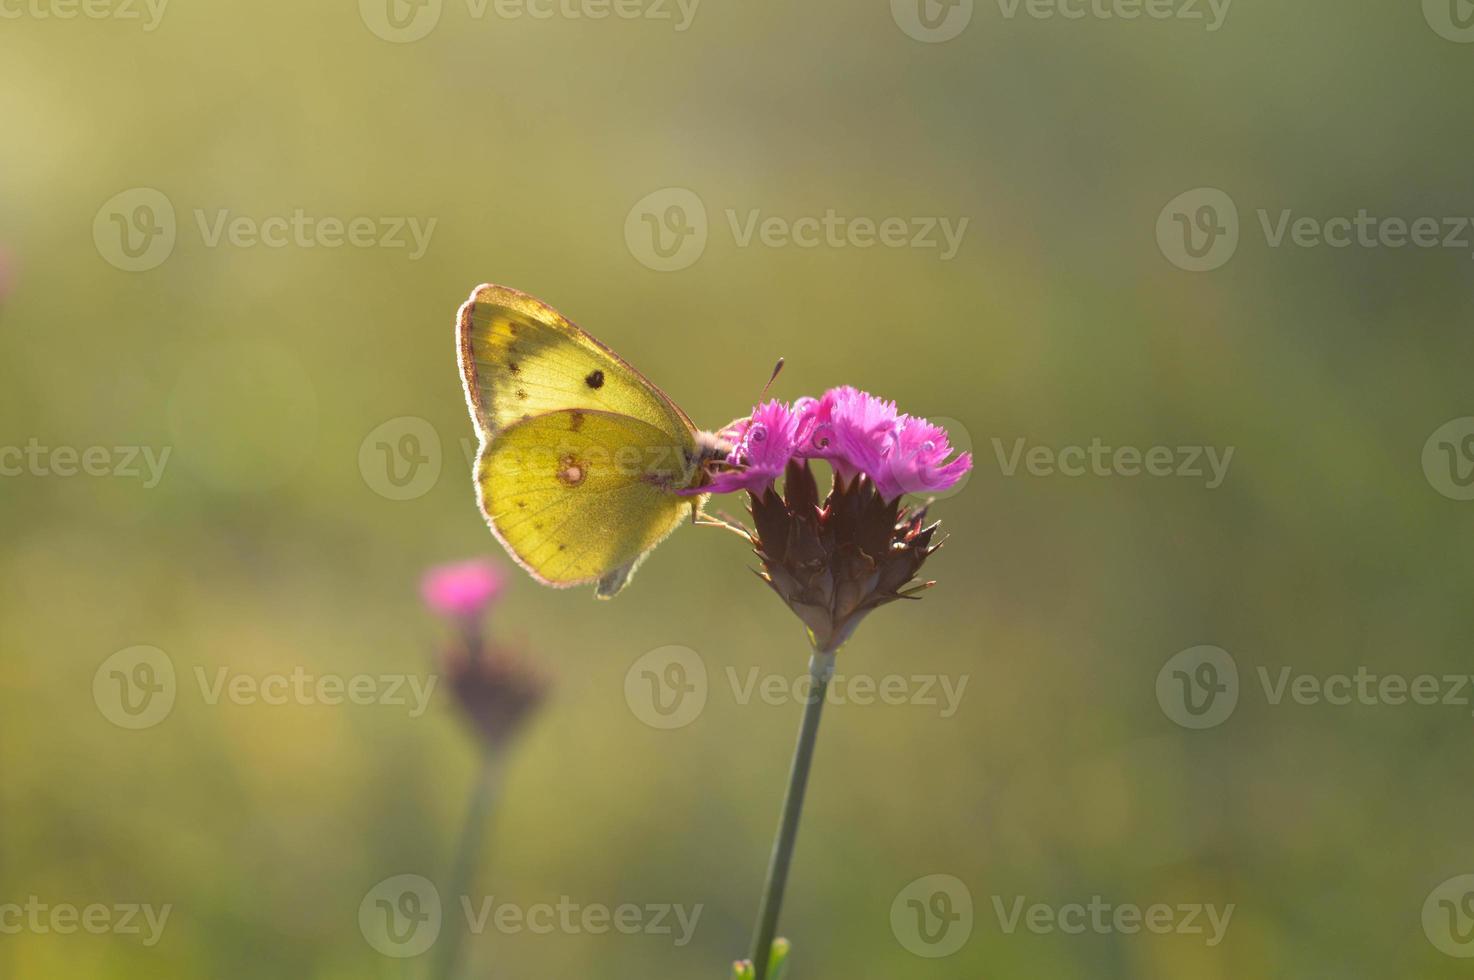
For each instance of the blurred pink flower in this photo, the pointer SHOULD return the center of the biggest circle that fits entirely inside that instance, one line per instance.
(464, 590)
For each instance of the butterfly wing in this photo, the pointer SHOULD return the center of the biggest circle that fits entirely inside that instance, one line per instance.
(580, 495)
(520, 358)
(580, 453)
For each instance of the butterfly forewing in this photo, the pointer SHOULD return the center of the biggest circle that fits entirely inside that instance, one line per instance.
(521, 358)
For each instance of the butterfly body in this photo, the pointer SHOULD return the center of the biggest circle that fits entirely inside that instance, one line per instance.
(584, 466)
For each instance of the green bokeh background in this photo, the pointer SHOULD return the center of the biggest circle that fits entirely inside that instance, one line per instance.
(266, 549)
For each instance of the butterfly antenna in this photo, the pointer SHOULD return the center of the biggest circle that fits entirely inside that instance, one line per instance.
(773, 377)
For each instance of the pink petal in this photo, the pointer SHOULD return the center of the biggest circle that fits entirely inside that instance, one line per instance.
(464, 589)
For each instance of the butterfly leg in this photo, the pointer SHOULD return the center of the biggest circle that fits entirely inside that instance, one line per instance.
(703, 519)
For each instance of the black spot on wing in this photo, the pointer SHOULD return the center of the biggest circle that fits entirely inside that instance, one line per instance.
(595, 379)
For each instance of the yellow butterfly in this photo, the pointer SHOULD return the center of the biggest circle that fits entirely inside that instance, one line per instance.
(584, 465)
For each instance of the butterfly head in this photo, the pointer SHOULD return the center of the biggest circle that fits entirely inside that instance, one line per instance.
(710, 457)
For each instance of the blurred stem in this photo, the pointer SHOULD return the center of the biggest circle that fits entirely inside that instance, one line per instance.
(484, 791)
(821, 668)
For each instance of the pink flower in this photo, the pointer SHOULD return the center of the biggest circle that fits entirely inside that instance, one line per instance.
(848, 428)
(763, 445)
(464, 590)
(914, 460)
(855, 432)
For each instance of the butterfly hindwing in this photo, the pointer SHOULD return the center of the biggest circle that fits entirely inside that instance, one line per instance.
(521, 358)
(579, 495)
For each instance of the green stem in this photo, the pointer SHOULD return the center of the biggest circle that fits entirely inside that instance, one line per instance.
(821, 668)
(467, 858)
